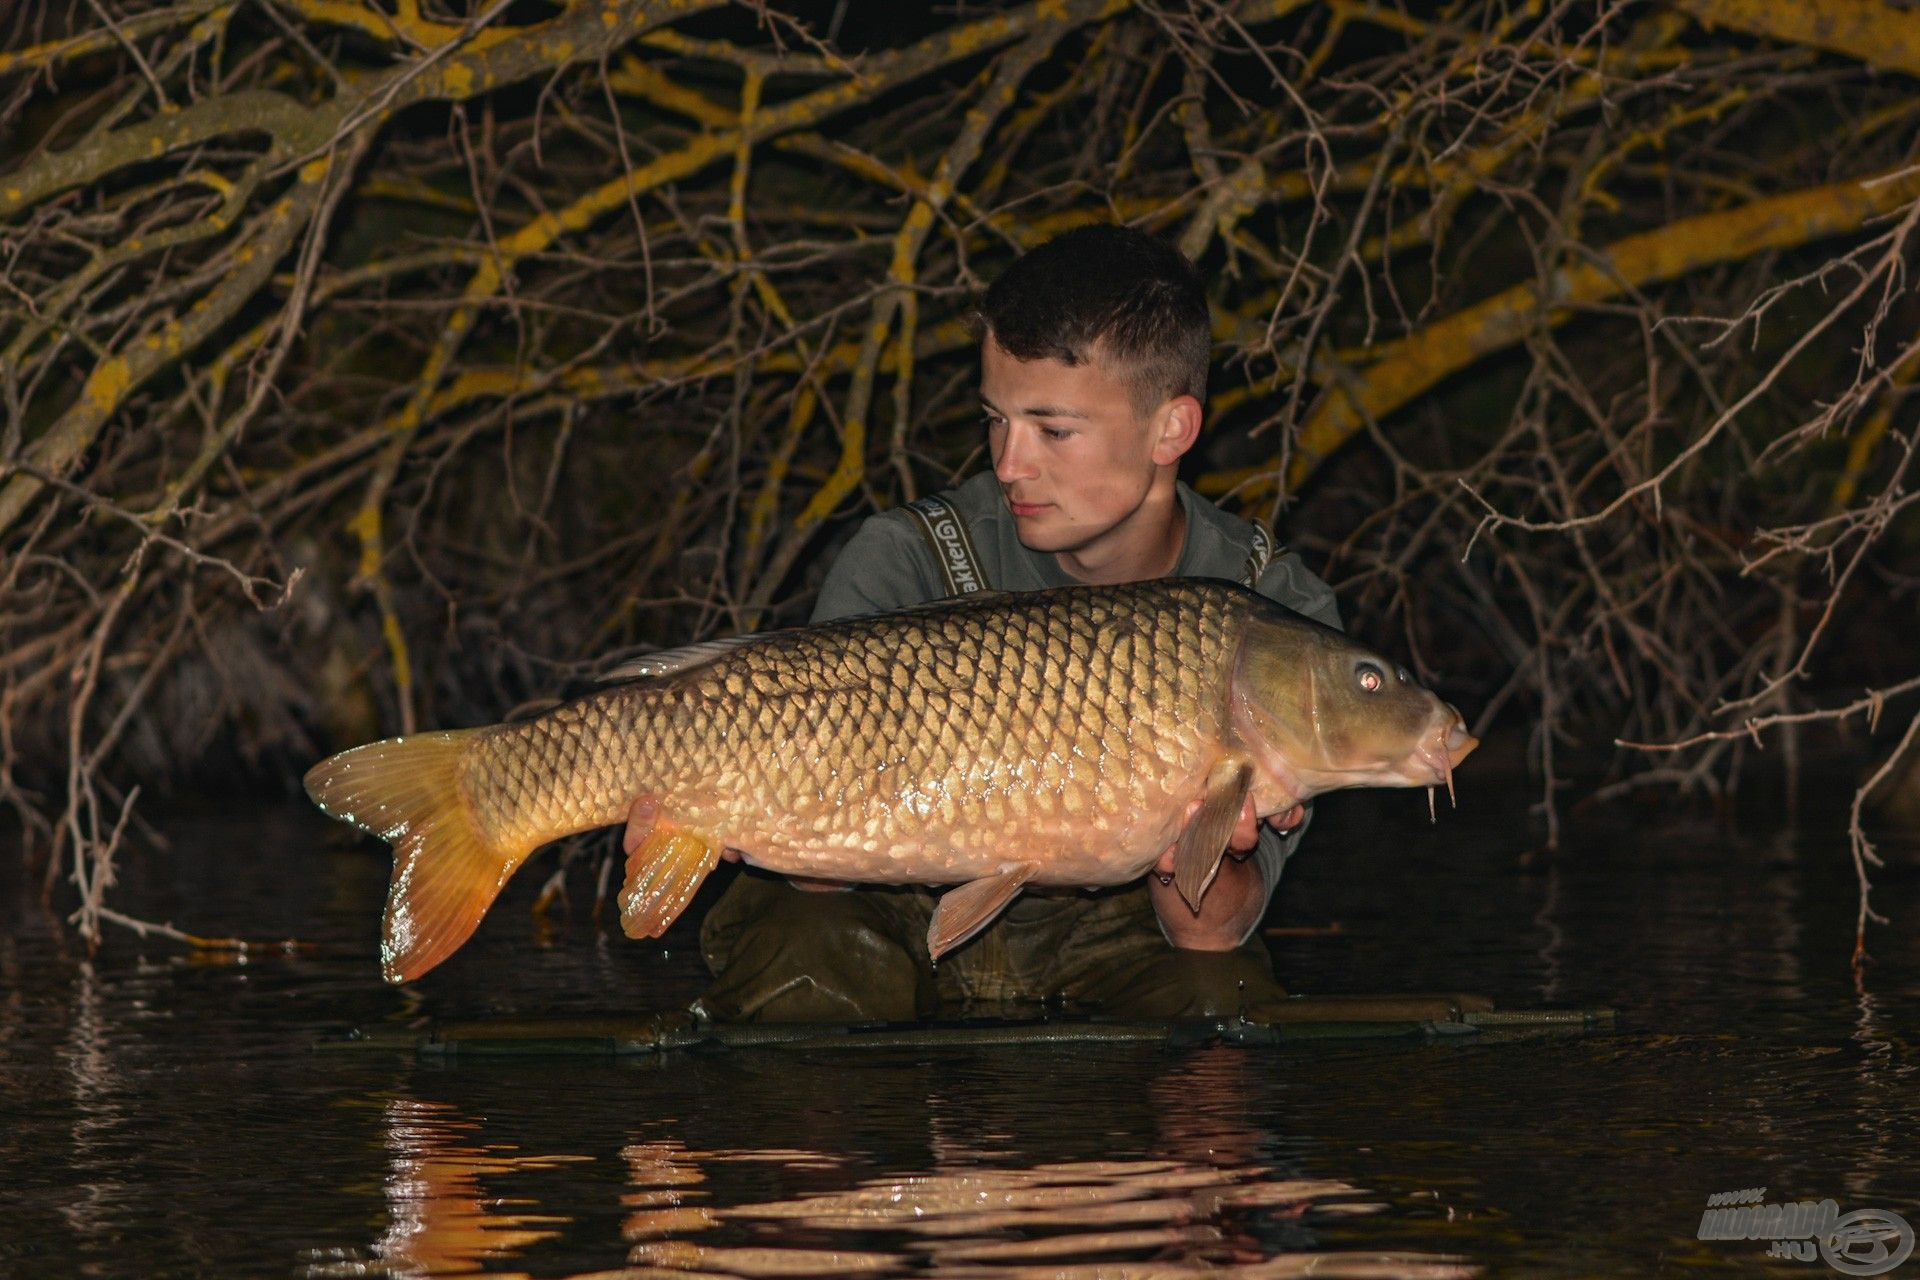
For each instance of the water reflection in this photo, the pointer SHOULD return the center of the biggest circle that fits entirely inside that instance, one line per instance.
(1110, 1217)
(1211, 1197)
(1885, 1079)
(167, 1117)
(441, 1221)
(96, 1088)
(1204, 1191)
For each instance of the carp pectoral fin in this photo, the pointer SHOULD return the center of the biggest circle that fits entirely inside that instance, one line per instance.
(1196, 857)
(664, 870)
(969, 908)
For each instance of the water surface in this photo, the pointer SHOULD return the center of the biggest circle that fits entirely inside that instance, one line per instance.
(165, 1113)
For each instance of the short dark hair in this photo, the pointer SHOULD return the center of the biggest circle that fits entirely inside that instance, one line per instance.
(1134, 298)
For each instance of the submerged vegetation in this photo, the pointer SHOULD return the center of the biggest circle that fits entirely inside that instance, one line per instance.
(377, 364)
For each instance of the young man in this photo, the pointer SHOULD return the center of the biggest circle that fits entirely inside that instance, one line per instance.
(1093, 367)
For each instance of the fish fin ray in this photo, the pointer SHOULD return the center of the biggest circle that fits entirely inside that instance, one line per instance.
(967, 909)
(1197, 854)
(446, 871)
(671, 662)
(664, 871)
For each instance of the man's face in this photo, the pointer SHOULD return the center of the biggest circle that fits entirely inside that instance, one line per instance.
(1073, 458)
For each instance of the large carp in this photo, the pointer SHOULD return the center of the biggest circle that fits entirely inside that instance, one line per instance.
(1064, 737)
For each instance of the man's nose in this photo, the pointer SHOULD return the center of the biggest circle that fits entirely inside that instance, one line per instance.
(1015, 459)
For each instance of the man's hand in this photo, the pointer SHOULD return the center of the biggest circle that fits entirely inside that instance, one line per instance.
(1246, 832)
(1235, 900)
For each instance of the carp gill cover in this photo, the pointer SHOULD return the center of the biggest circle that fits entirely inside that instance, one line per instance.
(1063, 737)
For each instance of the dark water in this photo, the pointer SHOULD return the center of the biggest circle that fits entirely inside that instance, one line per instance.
(166, 1114)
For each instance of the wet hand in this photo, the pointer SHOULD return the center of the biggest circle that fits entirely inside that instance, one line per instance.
(1246, 832)
(1287, 819)
(1236, 898)
(1229, 909)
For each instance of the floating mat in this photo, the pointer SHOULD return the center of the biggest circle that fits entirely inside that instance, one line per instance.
(1459, 1018)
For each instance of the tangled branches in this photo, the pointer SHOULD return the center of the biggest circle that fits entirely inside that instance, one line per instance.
(373, 365)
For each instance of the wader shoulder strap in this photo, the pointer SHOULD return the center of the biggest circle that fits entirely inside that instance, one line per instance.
(1259, 557)
(946, 534)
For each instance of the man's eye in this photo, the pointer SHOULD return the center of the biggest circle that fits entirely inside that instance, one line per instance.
(1054, 433)
(992, 422)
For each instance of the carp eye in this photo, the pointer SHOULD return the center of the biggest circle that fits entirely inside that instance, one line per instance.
(1371, 677)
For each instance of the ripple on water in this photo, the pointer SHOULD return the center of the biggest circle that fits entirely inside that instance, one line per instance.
(164, 1113)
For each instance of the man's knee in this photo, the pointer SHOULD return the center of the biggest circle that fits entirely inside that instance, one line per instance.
(1194, 984)
(792, 956)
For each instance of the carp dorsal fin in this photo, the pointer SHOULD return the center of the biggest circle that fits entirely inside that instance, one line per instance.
(966, 910)
(986, 596)
(670, 662)
(1196, 857)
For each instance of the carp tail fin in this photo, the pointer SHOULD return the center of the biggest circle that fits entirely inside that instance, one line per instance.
(446, 871)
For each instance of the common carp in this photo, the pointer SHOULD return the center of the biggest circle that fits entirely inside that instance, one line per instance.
(1062, 737)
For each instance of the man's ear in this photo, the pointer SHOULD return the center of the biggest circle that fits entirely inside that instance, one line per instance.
(1176, 425)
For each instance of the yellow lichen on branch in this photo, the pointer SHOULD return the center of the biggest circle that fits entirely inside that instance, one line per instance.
(252, 262)
(54, 52)
(1391, 375)
(1877, 33)
(613, 358)
(1866, 441)
(405, 26)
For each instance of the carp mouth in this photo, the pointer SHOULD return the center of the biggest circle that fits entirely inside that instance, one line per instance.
(1437, 754)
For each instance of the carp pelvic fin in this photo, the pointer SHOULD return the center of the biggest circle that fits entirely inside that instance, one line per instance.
(665, 865)
(971, 907)
(1196, 858)
(446, 872)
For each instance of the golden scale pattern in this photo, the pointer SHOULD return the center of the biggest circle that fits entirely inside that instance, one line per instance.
(980, 727)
